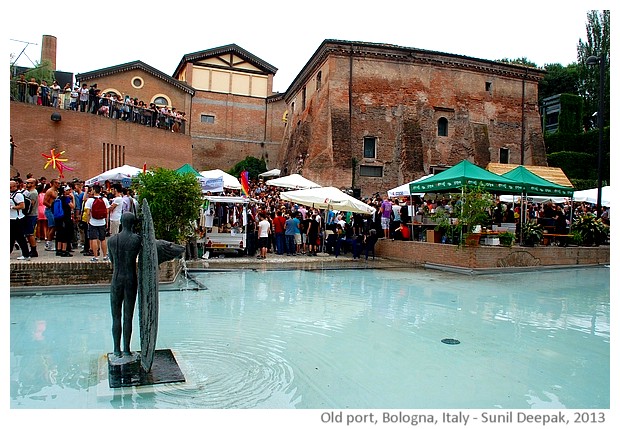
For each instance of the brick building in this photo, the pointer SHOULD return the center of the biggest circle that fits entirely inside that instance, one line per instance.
(359, 115)
(372, 116)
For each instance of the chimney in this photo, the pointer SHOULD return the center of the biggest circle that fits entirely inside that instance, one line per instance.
(48, 50)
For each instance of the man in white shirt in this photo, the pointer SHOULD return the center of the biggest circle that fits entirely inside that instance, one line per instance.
(264, 228)
(96, 226)
(116, 208)
(17, 205)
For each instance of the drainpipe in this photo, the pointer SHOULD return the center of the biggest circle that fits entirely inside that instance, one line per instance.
(351, 109)
(523, 119)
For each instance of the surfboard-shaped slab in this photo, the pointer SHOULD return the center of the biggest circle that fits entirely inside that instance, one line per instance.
(148, 289)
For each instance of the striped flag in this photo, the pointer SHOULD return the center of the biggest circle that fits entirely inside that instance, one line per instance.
(245, 183)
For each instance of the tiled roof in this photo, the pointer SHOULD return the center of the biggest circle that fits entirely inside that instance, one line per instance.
(552, 174)
(134, 65)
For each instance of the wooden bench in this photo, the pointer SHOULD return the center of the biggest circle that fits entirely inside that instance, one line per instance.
(547, 237)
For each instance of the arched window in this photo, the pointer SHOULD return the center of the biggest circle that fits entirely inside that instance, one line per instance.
(442, 127)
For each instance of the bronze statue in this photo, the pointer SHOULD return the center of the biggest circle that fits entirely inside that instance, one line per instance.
(123, 249)
(141, 281)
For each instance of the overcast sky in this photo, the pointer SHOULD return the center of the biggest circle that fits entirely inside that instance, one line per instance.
(286, 33)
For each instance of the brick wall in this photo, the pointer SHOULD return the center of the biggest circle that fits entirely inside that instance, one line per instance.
(420, 253)
(398, 99)
(35, 273)
(83, 136)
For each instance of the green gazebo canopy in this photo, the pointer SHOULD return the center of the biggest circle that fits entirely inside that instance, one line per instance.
(186, 168)
(533, 184)
(466, 174)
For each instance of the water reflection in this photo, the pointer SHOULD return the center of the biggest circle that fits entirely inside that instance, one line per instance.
(359, 339)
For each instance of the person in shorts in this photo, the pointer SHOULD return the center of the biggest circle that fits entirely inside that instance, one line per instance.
(97, 227)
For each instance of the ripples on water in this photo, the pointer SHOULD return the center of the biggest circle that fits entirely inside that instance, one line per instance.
(337, 339)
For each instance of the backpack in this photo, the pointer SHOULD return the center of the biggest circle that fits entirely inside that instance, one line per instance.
(57, 208)
(27, 203)
(98, 210)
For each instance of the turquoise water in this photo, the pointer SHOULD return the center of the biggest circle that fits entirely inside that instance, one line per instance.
(336, 339)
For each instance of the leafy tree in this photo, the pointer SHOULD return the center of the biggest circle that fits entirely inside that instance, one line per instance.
(254, 167)
(41, 71)
(559, 80)
(597, 44)
(174, 199)
(523, 61)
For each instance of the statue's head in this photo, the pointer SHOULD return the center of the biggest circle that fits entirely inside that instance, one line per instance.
(167, 250)
(128, 220)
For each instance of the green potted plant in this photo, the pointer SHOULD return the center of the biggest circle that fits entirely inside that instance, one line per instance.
(532, 233)
(471, 210)
(592, 230)
(506, 238)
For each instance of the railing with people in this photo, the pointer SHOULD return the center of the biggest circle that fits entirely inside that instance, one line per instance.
(108, 105)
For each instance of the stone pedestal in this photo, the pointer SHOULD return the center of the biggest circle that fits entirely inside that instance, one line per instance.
(126, 371)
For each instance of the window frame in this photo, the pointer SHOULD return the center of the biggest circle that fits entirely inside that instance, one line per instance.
(374, 147)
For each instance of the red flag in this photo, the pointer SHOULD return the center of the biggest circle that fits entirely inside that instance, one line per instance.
(144, 168)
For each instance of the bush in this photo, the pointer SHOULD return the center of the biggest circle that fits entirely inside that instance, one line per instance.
(175, 200)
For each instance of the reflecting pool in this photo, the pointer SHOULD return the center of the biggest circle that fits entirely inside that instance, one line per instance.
(335, 339)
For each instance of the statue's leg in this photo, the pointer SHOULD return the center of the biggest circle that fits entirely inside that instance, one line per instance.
(130, 302)
(116, 303)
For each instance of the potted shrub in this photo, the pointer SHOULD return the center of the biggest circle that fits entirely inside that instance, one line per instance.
(532, 233)
(470, 211)
(506, 238)
(591, 230)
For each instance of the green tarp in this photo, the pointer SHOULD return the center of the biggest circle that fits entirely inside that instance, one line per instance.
(533, 184)
(466, 174)
(186, 168)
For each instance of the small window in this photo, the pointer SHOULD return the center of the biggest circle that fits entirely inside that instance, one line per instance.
(487, 86)
(370, 147)
(504, 155)
(442, 127)
(207, 119)
(303, 98)
(137, 82)
(318, 81)
(161, 101)
(371, 171)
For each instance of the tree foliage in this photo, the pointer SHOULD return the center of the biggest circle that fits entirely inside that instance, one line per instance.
(596, 44)
(559, 80)
(252, 165)
(175, 200)
(523, 61)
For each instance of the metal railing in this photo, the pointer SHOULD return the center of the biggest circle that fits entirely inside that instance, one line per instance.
(150, 116)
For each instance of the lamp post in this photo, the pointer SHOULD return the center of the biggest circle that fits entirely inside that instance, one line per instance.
(593, 60)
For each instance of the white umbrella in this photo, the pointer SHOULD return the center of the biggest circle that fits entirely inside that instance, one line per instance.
(327, 198)
(271, 173)
(230, 181)
(294, 181)
(403, 190)
(115, 175)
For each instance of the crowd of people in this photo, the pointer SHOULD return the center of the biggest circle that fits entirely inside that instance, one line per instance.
(66, 216)
(92, 100)
(274, 225)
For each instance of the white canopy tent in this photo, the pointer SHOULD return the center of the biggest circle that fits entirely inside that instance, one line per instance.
(327, 198)
(271, 173)
(115, 175)
(294, 181)
(403, 190)
(230, 181)
(591, 196)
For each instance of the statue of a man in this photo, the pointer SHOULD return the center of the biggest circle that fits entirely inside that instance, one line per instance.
(123, 249)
